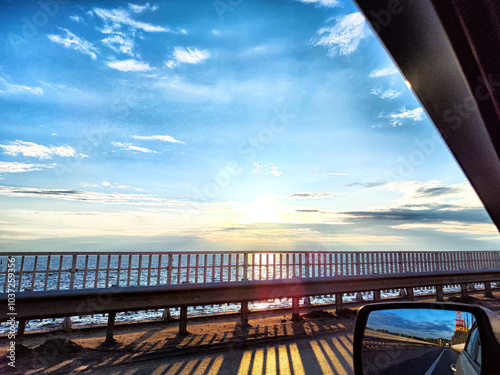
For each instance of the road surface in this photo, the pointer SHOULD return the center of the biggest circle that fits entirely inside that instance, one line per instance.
(409, 361)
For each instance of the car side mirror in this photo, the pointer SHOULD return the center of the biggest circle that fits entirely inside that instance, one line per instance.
(426, 338)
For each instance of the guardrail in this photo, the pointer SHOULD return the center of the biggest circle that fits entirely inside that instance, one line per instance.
(62, 303)
(39, 271)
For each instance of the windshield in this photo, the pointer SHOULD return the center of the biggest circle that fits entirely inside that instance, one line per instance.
(188, 125)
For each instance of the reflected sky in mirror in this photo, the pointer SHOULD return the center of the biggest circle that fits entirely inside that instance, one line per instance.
(425, 323)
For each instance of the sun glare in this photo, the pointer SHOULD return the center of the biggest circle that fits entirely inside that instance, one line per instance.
(264, 210)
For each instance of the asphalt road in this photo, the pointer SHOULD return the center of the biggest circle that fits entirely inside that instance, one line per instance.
(324, 355)
(409, 361)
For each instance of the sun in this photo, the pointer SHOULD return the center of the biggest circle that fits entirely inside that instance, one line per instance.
(264, 210)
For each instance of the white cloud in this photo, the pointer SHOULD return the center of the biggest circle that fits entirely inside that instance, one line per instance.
(390, 94)
(387, 94)
(390, 70)
(87, 185)
(11, 88)
(141, 8)
(325, 3)
(129, 66)
(75, 18)
(261, 168)
(15, 167)
(162, 138)
(71, 41)
(119, 43)
(115, 19)
(131, 147)
(411, 114)
(115, 186)
(274, 171)
(313, 195)
(128, 187)
(38, 151)
(187, 56)
(344, 37)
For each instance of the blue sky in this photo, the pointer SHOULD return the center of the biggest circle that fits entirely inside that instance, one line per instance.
(180, 125)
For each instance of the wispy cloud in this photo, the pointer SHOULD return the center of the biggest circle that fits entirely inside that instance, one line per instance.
(162, 138)
(131, 147)
(390, 70)
(129, 65)
(15, 167)
(115, 19)
(183, 55)
(119, 43)
(454, 227)
(434, 193)
(11, 88)
(325, 3)
(313, 195)
(326, 174)
(71, 41)
(410, 114)
(93, 197)
(31, 149)
(344, 37)
(368, 184)
(386, 94)
(117, 186)
(261, 168)
(141, 8)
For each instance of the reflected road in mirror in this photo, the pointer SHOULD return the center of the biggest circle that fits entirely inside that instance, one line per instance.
(414, 341)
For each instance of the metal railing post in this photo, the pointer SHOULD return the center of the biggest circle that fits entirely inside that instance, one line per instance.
(295, 309)
(245, 266)
(183, 321)
(487, 290)
(110, 328)
(409, 294)
(439, 293)
(463, 291)
(67, 320)
(20, 332)
(338, 301)
(244, 314)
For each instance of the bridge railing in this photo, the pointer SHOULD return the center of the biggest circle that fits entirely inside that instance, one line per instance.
(62, 303)
(41, 271)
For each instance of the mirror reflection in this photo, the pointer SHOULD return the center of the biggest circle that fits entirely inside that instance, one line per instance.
(421, 341)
